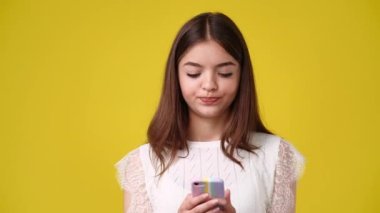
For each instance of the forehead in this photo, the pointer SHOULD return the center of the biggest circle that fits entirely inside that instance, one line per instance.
(207, 53)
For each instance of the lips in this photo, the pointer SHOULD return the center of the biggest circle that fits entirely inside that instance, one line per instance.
(209, 100)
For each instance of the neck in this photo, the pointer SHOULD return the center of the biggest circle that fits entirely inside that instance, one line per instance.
(206, 129)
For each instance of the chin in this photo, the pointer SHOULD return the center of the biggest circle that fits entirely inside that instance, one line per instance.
(209, 115)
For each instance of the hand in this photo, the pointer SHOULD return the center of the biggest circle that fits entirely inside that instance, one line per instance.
(205, 204)
(224, 205)
(199, 204)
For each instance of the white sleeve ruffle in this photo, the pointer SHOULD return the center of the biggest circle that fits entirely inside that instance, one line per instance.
(289, 168)
(130, 175)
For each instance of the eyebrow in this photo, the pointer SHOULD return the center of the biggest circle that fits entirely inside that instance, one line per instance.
(228, 63)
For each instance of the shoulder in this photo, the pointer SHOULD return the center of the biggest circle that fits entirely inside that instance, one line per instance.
(267, 145)
(272, 142)
(278, 151)
(264, 140)
(134, 153)
(130, 165)
(267, 148)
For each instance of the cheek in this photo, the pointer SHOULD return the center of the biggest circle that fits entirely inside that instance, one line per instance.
(232, 92)
(231, 87)
(186, 87)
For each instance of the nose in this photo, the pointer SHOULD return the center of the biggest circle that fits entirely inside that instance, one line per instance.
(209, 83)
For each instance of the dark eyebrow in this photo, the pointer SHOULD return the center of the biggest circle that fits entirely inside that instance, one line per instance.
(192, 64)
(228, 63)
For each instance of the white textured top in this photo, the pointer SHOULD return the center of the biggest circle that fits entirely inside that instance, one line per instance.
(265, 185)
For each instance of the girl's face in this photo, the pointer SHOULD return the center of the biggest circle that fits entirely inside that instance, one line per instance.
(209, 79)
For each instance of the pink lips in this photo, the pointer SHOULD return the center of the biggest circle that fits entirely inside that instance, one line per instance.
(209, 100)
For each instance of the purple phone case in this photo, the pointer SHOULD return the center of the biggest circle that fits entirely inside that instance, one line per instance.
(213, 186)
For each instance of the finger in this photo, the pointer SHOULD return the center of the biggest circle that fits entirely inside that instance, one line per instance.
(207, 206)
(215, 210)
(224, 204)
(228, 195)
(226, 201)
(227, 206)
(190, 202)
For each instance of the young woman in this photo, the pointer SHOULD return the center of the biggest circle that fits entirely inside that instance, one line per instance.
(207, 125)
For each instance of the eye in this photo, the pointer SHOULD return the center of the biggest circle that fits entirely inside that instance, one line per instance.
(226, 75)
(193, 75)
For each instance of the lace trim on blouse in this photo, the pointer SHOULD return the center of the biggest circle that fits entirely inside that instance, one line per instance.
(131, 178)
(289, 169)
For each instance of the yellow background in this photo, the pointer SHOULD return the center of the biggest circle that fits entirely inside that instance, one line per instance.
(80, 80)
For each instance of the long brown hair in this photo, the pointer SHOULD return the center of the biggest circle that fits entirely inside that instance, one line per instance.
(167, 132)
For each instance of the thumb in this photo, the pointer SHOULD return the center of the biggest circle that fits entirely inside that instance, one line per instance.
(228, 195)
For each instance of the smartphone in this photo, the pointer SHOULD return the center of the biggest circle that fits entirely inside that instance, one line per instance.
(213, 186)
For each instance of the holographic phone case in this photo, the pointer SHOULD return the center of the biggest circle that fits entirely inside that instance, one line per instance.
(213, 186)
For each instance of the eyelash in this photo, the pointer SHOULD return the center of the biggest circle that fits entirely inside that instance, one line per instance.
(223, 75)
(193, 75)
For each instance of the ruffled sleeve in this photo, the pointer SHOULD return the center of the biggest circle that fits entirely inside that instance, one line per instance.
(130, 175)
(289, 168)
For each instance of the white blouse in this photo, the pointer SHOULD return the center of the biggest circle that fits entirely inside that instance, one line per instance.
(264, 185)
